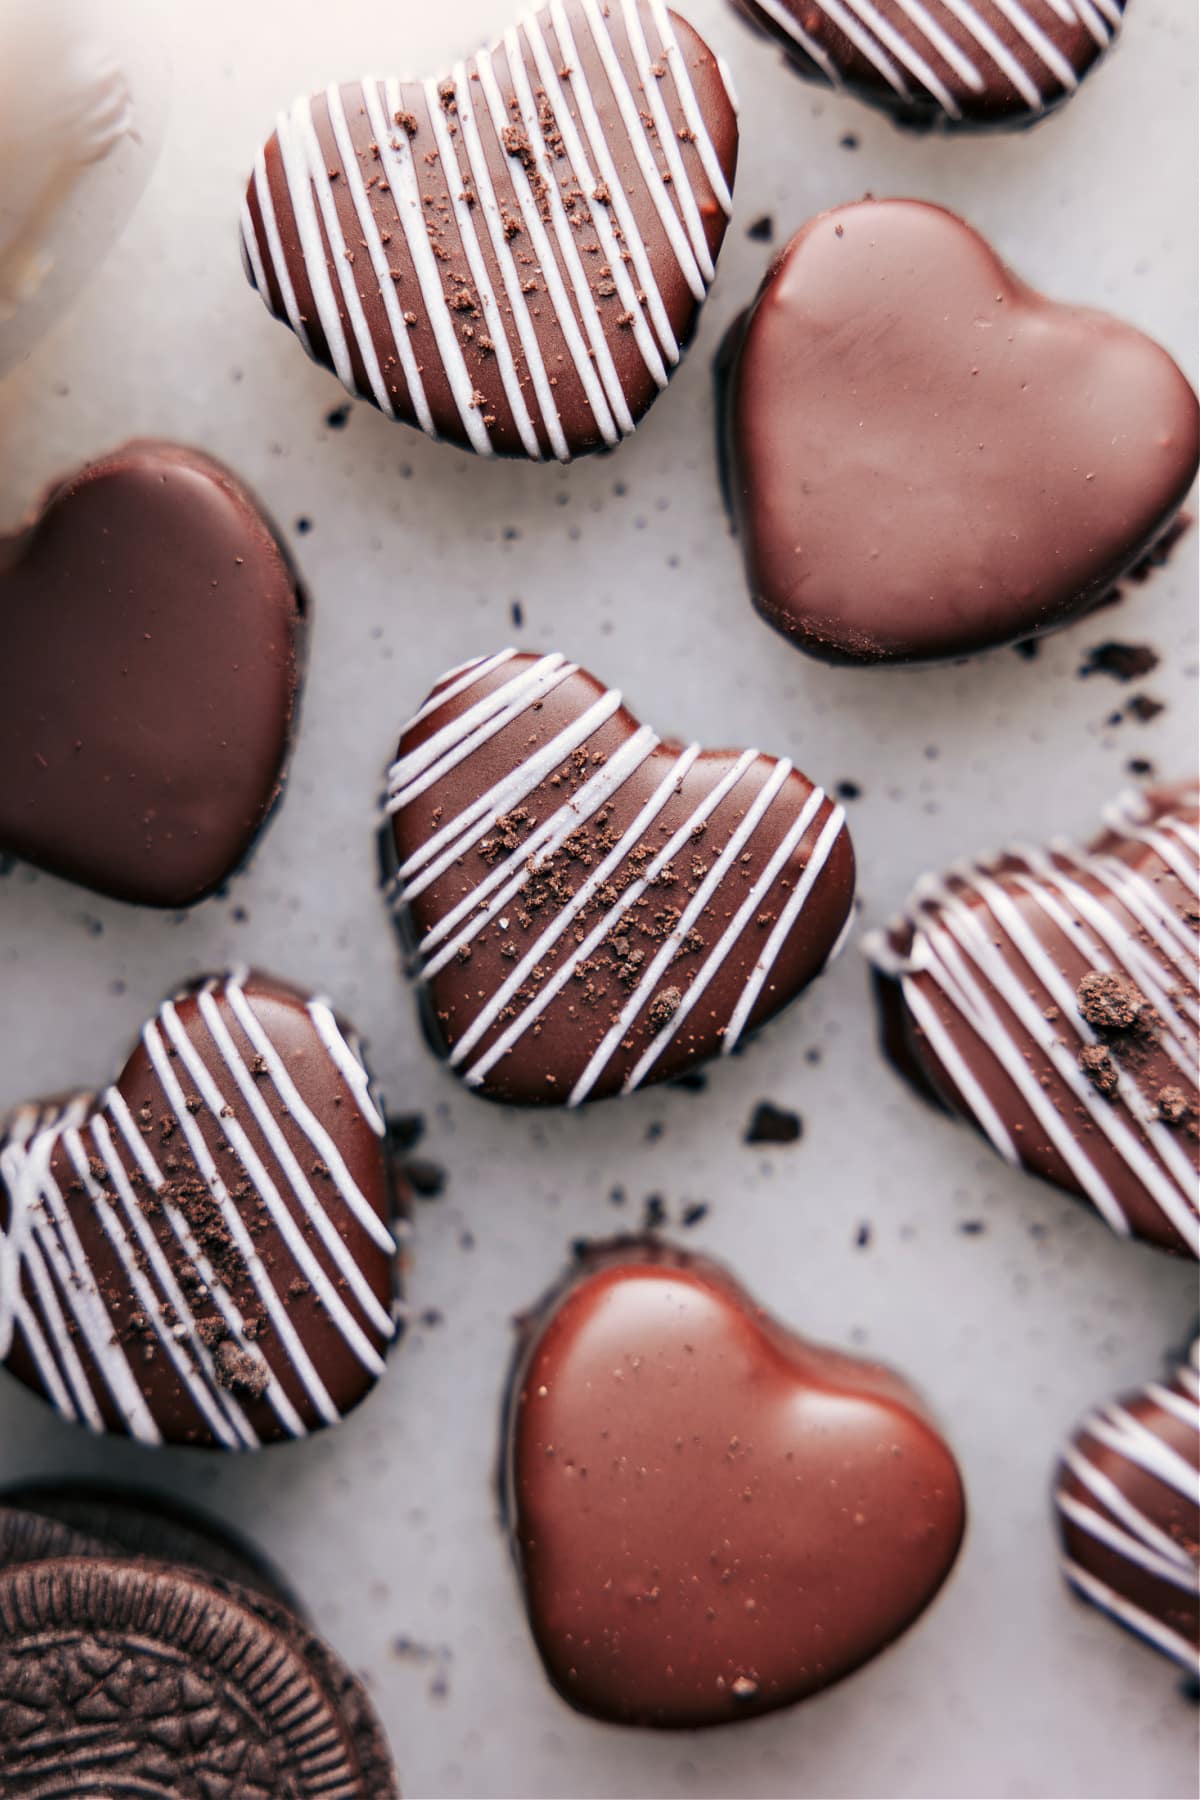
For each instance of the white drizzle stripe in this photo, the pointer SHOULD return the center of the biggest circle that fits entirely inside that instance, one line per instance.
(283, 277)
(47, 1300)
(642, 149)
(1120, 1431)
(668, 141)
(253, 256)
(482, 814)
(373, 241)
(1038, 42)
(677, 63)
(906, 55)
(481, 176)
(302, 1253)
(235, 1225)
(582, 171)
(780, 14)
(571, 262)
(507, 699)
(468, 237)
(657, 967)
(720, 951)
(867, 46)
(345, 1053)
(395, 154)
(199, 1390)
(1104, 1489)
(782, 929)
(959, 1070)
(1173, 1642)
(943, 43)
(1097, 1526)
(18, 1249)
(459, 680)
(231, 1315)
(1005, 61)
(153, 1252)
(541, 843)
(294, 153)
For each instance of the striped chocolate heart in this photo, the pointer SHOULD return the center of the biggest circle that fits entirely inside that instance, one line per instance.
(947, 63)
(1127, 1496)
(1050, 997)
(201, 1254)
(512, 257)
(589, 907)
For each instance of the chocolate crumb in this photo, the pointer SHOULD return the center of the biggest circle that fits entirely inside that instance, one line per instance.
(1100, 1069)
(241, 1372)
(1113, 1005)
(1173, 1105)
(770, 1124)
(762, 230)
(1124, 662)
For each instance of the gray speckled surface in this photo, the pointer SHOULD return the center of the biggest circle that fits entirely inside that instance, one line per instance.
(414, 558)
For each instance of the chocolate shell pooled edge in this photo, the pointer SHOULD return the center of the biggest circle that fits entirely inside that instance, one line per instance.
(587, 907)
(204, 1253)
(711, 1517)
(1127, 1499)
(1049, 997)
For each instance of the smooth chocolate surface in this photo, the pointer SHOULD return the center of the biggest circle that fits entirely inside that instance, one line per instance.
(1127, 1497)
(926, 458)
(201, 1254)
(153, 638)
(1050, 998)
(712, 1517)
(511, 256)
(589, 907)
(151, 1671)
(939, 64)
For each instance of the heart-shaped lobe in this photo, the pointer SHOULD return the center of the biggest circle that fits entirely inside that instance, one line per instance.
(1127, 1497)
(511, 257)
(925, 457)
(940, 64)
(712, 1517)
(153, 648)
(201, 1254)
(1050, 997)
(588, 907)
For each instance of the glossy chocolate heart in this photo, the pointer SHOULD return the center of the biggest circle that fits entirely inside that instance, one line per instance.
(1050, 997)
(153, 633)
(588, 907)
(711, 1516)
(201, 1254)
(512, 257)
(1127, 1496)
(946, 63)
(925, 457)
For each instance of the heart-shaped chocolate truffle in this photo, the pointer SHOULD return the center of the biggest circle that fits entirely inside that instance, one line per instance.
(711, 1516)
(1127, 1496)
(945, 63)
(153, 633)
(925, 457)
(512, 257)
(589, 907)
(201, 1254)
(1050, 997)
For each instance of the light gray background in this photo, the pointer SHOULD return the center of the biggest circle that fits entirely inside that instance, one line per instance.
(416, 553)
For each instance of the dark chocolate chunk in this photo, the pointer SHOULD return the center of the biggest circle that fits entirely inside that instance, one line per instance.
(770, 1124)
(153, 651)
(939, 64)
(1051, 999)
(711, 1516)
(202, 1253)
(517, 266)
(588, 907)
(1127, 1496)
(926, 458)
(1124, 662)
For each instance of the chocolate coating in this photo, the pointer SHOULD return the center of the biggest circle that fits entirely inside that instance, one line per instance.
(1050, 998)
(153, 639)
(160, 1679)
(712, 1517)
(941, 65)
(513, 257)
(925, 457)
(588, 907)
(201, 1254)
(1127, 1497)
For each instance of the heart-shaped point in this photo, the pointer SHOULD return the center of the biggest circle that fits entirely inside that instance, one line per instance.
(201, 1254)
(588, 907)
(712, 1517)
(511, 257)
(1050, 997)
(941, 64)
(153, 652)
(925, 457)
(1127, 1495)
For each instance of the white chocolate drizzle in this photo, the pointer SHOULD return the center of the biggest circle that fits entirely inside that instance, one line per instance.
(563, 941)
(619, 93)
(50, 1296)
